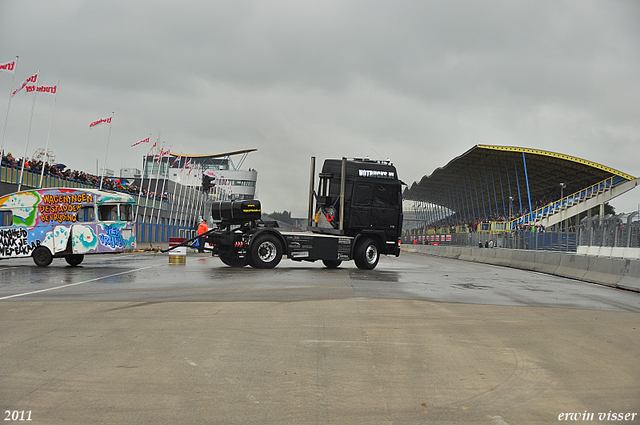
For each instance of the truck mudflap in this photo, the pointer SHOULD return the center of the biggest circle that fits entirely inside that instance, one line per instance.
(392, 248)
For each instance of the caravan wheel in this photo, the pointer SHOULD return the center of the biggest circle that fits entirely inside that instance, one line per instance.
(74, 260)
(42, 256)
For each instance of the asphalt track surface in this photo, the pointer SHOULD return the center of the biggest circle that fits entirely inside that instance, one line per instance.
(419, 340)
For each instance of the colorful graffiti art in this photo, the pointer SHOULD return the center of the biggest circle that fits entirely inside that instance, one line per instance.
(66, 221)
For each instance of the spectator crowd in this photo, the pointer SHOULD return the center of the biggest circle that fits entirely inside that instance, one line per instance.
(58, 170)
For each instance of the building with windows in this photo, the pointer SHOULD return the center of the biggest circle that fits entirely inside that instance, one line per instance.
(228, 180)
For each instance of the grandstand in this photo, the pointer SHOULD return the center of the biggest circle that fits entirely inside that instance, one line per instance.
(504, 188)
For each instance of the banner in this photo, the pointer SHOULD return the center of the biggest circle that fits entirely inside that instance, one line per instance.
(101, 121)
(31, 81)
(141, 141)
(9, 67)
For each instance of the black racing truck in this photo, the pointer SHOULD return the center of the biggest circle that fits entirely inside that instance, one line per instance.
(355, 214)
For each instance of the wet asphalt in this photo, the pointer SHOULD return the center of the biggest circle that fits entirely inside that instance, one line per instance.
(132, 339)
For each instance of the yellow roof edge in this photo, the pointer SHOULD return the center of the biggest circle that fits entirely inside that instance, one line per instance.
(216, 155)
(560, 156)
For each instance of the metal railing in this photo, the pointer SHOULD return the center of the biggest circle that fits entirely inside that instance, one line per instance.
(567, 201)
(619, 231)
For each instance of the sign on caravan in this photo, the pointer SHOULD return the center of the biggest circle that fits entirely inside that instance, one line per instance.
(69, 223)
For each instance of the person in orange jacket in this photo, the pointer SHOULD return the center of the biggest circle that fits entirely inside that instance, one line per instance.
(202, 228)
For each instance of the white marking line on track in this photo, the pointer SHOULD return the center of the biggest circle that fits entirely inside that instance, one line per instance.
(74, 284)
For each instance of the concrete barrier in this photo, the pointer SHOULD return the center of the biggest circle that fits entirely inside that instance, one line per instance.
(630, 280)
(615, 272)
(546, 262)
(573, 266)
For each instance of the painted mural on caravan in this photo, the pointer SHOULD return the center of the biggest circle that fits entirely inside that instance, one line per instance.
(68, 223)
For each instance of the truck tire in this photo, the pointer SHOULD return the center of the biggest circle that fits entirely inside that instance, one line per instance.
(74, 260)
(232, 260)
(265, 252)
(367, 254)
(42, 256)
(332, 264)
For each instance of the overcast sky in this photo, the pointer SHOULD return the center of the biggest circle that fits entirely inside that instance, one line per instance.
(419, 82)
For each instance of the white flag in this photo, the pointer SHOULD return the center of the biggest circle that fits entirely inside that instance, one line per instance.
(41, 89)
(47, 89)
(31, 81)
(9, 67)
(101, 121)
(141, 141)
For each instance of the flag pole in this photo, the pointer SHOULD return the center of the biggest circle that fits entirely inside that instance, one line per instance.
(144, 165)
(13, 80)
(104, 163)
(173, 198)
(180, 203)
(146, 199)
(46, 149)
(155, 190)
(163, 183)
(33, 107)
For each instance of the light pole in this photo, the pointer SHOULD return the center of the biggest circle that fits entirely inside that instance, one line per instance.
(510, 218)
(563, 224)
(510, 207)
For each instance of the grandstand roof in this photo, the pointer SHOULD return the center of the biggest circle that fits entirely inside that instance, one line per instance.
(493, 173)
(216, 155)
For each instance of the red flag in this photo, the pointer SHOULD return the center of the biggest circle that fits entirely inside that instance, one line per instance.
(31, 81)
(9, 67)
(177, 160)
(101, 121)
(141, 141)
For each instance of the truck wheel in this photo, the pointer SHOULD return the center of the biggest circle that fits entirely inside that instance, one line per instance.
(232, 260)
(331, 264)
(75, 259)
(42, 256)
(265, 252)
(367, 254)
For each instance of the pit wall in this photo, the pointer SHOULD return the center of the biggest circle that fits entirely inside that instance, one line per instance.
(615, 272)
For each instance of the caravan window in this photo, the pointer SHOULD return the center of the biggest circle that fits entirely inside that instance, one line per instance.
(87, 214)
(6, 218)
(126, 212)
(108, 213)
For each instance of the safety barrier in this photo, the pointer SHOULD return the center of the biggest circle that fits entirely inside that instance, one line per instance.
(609, 252)
(615, 272)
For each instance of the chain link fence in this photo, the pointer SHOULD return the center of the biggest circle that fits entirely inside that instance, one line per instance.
(619, 231)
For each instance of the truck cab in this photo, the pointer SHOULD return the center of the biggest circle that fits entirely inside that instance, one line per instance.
(371, 196)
